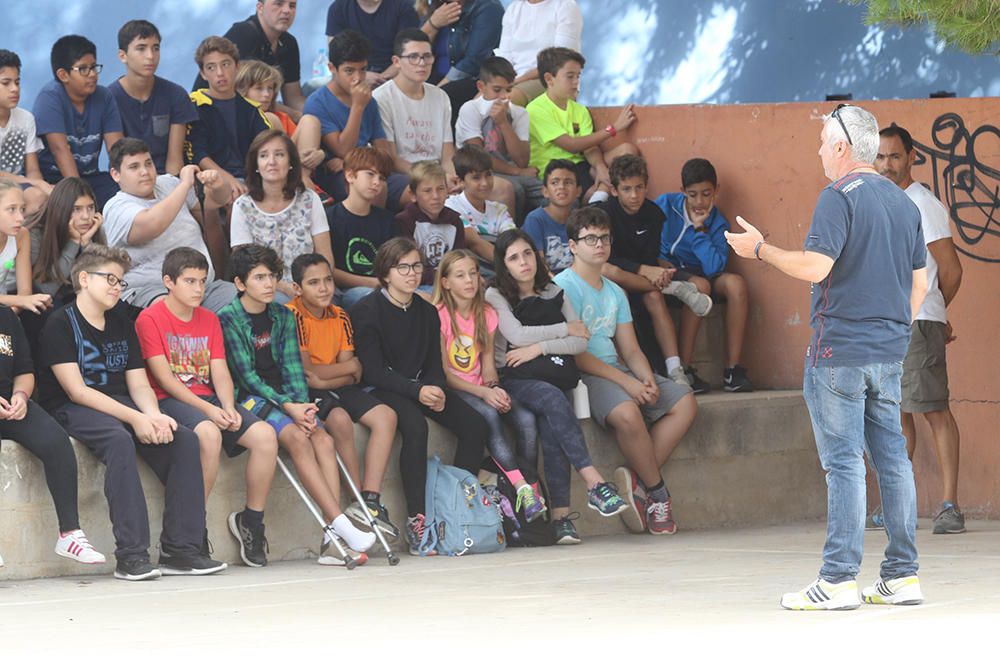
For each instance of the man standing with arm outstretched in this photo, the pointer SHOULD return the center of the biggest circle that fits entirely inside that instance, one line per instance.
(865, 258)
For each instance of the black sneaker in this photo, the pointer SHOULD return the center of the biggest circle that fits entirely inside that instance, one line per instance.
(136, 568)
(565, 531)
(189, 565)
(253, 544)
(378, 513)
(735, 379)
(698, 386)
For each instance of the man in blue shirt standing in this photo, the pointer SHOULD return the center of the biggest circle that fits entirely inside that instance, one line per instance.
(865, 257)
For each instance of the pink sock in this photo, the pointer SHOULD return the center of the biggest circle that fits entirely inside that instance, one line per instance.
(514, 475)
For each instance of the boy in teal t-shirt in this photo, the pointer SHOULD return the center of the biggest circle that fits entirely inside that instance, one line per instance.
(648, 413)
(561, 128)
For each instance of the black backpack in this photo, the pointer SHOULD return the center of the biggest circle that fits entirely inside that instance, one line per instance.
(518, 531)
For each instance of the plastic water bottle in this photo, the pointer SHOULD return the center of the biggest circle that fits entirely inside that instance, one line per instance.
(319, 68)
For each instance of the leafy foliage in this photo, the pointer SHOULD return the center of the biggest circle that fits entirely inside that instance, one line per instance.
(972, 26)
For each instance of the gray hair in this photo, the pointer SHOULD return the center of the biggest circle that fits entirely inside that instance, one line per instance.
(863, 130)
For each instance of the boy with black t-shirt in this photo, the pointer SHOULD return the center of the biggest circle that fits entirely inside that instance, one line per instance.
(636, 224)
(186, 362)
(357, 226)
(95, 385)
(263, 355)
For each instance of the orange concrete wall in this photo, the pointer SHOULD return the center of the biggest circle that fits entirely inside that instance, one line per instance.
(769, 172)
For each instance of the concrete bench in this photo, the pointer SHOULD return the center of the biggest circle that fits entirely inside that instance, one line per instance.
(749, 459)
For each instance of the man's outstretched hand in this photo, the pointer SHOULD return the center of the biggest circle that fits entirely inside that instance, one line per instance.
(744, 244)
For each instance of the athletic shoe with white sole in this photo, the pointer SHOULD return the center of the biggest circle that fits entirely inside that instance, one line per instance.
(378, 513)
(604, 499)
(74, 545)
(684, 290)
(634, 516)
(136, 568)
(902, 590)
(822, 595)
(949, 521)
(191, 566)
(331, 556)
(253, 543)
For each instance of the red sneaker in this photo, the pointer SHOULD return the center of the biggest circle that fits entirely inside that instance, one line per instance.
(660, 518)
(635, 498)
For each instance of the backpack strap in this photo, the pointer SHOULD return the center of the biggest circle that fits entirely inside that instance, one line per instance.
(429, 540)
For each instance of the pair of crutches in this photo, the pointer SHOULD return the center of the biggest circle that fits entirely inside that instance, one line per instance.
(349, 562)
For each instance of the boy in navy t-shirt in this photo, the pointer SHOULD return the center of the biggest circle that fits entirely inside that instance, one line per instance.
(74, 116)
(152, 109)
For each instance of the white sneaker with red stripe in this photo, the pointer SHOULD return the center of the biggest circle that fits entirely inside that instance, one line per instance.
(74, 545)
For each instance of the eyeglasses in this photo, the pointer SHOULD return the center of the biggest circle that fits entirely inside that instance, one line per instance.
(836, 114)
(418, 58)
(593, 239)
(86, 70)
(405, 269)
(113, 280)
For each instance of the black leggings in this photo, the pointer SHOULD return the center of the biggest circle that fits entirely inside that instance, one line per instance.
(458, 417)
(41, 435)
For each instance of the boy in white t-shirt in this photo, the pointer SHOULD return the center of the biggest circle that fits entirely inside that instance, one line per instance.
(495, 124)
(483, 219)
(417, 116)
(19, 144)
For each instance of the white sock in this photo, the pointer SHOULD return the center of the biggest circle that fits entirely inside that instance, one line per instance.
(356, 539)
(672, 363)
(599, 195)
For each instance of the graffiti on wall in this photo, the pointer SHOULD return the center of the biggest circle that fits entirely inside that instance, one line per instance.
(969, 187)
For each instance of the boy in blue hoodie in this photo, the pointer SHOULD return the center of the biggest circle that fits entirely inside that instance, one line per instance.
(693, 241)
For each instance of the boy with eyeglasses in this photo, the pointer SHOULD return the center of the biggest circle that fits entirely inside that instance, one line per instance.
(648, 413)
(417, 116)
(74, 115)
(94, 383)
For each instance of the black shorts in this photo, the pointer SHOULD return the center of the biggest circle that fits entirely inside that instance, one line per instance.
(355, 400)
(191, 417)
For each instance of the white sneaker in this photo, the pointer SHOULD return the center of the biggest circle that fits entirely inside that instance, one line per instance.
(700, 304)
(74, 545)
(679, 376)
(822, 595)
(902, 590)
(330, 556)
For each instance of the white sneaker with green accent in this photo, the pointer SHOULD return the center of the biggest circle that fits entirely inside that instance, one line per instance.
(902, 590)
(822, 595)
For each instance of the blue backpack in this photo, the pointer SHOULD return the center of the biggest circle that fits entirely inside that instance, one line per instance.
(460, 517)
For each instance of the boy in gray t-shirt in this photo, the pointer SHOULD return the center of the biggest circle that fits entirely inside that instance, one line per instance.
(138, 219)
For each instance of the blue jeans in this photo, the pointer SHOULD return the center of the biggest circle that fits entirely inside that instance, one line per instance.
(855, 409)
(350, 296)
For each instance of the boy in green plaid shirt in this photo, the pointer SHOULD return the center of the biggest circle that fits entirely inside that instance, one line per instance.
(262, 351)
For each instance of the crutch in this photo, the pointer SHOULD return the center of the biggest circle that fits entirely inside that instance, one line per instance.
(393, 558)
(349, 562)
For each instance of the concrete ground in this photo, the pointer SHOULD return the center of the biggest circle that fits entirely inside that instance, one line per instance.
(702, 594)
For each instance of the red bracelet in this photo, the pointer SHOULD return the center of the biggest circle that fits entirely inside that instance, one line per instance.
(610, 129)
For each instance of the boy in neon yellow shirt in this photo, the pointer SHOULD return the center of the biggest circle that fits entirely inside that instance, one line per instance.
(562, 129)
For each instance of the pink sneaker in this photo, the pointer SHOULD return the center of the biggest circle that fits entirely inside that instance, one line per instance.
(74, 545)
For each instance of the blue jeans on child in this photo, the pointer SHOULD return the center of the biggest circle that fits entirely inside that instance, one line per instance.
(562, 440)
(525, 432)
(855, 409)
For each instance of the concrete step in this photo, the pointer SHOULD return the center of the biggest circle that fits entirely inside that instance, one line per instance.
(748, 460)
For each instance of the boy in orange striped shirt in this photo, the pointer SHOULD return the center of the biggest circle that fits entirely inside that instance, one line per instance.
(326, 341)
